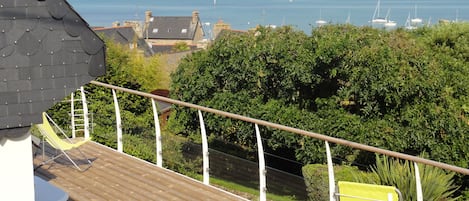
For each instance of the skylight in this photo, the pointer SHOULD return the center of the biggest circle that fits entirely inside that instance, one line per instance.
(184, 31)
(155, 30)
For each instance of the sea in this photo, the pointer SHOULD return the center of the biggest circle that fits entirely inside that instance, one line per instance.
(301, 14)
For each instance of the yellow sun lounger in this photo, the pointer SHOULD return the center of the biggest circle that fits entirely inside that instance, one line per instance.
(62, 145)
(351, 191)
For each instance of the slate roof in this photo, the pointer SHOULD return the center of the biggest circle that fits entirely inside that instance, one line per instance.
(163, 27)
(47, 51)
(125, 35)
(122, 34)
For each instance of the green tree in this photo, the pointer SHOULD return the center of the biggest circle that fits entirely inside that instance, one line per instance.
(398, 90)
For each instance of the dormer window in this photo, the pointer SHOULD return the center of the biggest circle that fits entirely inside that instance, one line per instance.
(155, 30)
(184, 31)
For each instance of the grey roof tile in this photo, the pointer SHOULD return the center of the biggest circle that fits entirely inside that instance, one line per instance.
(5, 25)
(3, 86)
(3, 110)
(6, 3)
(12, 13)
(26, 24)
(98, 63)
(24, 73)
(7, 51)
(30, 96)
(42, 84)
(28, 44)
(57, 8)
(50, 24)
(10, 121)
(19, 85)
(9, 98)
(41, 58)
(63, 83)
(3, 40)
(19, 109)
(8, 74)
(54, 71)
(74, 26)
(91, 43)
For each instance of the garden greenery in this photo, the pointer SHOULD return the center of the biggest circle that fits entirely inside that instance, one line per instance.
(405, 91)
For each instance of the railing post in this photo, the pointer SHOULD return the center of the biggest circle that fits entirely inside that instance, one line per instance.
(118, 122)
(85, 114)
(418, 184)
(206, 166)
(262, 169)
(330, 170)
(72, 111)
(159, 149)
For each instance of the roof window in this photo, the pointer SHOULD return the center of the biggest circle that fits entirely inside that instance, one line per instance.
(184, 31)
(155, 30)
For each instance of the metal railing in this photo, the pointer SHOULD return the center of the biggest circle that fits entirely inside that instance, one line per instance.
(257, 122)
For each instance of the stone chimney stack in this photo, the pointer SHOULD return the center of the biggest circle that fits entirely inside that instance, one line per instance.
(148, 16)
(220, 26)
(195, 17)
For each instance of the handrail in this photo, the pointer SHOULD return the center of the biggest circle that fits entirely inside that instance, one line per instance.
(294, 130)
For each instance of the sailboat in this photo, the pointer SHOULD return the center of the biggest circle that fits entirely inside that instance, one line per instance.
(416, 20)
(347, 21)
(376, 18)
(389, 23)
(320, 22)
(408, 24)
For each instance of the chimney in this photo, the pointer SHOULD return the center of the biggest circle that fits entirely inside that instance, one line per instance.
(148, 16)
(195, 17)
(116, 24)
(219, 26)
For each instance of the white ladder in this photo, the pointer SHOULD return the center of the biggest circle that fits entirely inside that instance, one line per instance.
(80, 116)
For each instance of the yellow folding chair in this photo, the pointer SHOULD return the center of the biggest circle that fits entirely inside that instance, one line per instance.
(352, 191)
(62, 145)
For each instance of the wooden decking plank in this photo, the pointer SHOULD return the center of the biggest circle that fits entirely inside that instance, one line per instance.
(115, 176)
(165, 176)
(148, 181)
(166, 180)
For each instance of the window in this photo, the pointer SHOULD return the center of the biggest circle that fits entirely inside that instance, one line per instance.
(184, 31)
(155, 30)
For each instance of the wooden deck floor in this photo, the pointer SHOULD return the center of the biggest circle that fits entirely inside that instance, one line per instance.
(116, 176)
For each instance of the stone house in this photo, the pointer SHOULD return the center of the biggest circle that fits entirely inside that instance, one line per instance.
(171, 30)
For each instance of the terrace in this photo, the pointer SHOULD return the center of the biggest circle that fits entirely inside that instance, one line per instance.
(118, 176)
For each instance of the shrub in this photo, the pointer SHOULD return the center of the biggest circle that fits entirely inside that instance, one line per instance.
(316, 179)
(436, 183)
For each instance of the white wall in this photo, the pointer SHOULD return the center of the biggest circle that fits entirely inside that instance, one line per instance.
(16, 168)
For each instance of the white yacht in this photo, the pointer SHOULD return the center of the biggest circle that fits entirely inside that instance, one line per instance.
(408, 24)
(389, 23)
(376, 16)
(416, 20)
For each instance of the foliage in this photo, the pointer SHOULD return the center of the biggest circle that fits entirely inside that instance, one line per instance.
(181, 47)
(436, 183)
(400, 90)
(317, 179)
